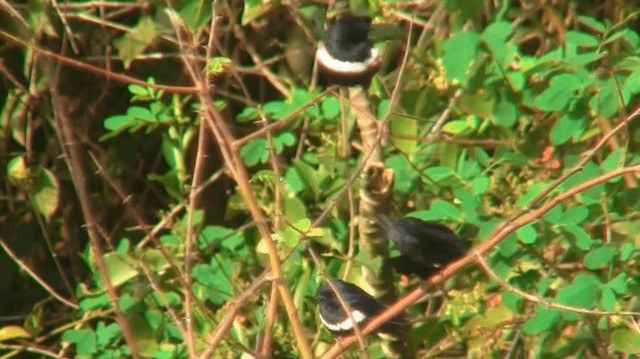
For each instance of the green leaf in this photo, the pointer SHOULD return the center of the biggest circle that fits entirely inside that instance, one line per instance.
(255, 9)
(508, 246)
(140, 90)
(46, 194)
(248, 114)
(589, 171)
(533, 191)
(527, 234)
(581, 39)
(118, 122)
(619, 283)
(542, 321)
(592, 23)
(405, 175)
(613, 161)
(554, 215)
(480, 185)
(439, 174)
(495, 37)
(20, 174)
(282, 109)
(83, 339)
(582, 238)
(97, 302)
(120, 268)
(460, 50)
(330, 107)
(512, 301)
(607, 299)
(404, 132)
(626, 341)
(143, 335)
(106, 334)
(600, 257)
(563, 129)
(606, 101)
(445, 210)
(294, 209)
(212, 281)
(141, 113)
(254, 152)
(134, 42)
(583, 292)
(217, 65)
(574, 215)
(480, 105)
(562, 89)
(225, 237)
(286, 139)
(309, 177)
(505, 112)
(469, 204)
(457, 127)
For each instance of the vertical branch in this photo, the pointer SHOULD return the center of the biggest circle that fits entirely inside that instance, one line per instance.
(375, 192)
(272, 313)
(198, 176)
(77, 169)
(230, 152)
(346, 153)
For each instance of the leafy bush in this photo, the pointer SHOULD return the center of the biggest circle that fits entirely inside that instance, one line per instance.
(195, 213)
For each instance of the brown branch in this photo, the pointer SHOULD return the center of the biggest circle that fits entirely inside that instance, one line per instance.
(93, 69)
(266, 343)
(198, 176)
(77, 168)
(493, 239)
(232, 311)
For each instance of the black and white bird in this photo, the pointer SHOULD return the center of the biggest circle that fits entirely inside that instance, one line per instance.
(362, 305)
(425, 246)
(348, 57)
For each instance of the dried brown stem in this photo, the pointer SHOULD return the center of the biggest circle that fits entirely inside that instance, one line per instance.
(227, 320)
(93, 69)
(272, 313)
(77, 168)
(542, 301)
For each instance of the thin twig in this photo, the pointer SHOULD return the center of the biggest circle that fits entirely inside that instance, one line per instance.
(272, 313)
(93, 69)
(77, 169)
(35, 276)
(232, 311)
(542, 301)
(576, 168)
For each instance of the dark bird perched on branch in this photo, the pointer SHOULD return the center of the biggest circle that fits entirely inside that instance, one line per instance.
(362, 306)
(425, 246)
(348, 57)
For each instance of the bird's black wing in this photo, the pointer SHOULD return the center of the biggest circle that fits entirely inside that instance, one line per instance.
(437, 244)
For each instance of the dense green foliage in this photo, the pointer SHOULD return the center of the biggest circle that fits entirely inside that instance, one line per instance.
(497, 101)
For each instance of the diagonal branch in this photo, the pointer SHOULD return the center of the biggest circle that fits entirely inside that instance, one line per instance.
(494, 238)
